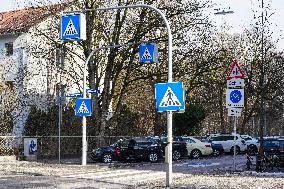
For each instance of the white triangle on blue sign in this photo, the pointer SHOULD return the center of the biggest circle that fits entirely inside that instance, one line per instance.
(146, 54)
(70, 29)
(83, 108)
(169, 99)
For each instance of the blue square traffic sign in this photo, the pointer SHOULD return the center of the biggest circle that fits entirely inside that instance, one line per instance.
(235, 98)
(169, 96)
(83, 107)
(148, 53)
(73, 27)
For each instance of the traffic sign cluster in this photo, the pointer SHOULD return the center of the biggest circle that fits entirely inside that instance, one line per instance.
(235, 90)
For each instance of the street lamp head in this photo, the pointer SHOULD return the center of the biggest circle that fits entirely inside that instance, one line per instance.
(224, 12)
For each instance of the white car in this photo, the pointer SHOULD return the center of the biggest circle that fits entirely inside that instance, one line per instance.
(196, 148)
(227, 141)
(252, 143)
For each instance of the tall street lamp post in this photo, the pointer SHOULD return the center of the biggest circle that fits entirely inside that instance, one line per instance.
(169, 114)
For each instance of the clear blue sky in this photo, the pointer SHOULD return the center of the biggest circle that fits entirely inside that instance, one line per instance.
(242, 17)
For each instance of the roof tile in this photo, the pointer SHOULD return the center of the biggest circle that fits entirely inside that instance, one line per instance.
(22, 20)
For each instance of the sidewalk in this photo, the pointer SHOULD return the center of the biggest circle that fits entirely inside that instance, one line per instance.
(49, 167)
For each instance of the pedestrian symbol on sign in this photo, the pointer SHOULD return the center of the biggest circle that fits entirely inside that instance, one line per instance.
(146, 54)
(169, 99)
(169, 96)
(73, 27)
(70, 29)
(83, 108)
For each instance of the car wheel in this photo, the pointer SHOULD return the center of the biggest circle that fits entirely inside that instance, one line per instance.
(216, 152)
(195, 154)
(107, 158)
(176, 155)
(153, 157)
(237, 150)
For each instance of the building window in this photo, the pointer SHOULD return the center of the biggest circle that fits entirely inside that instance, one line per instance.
(9, 49)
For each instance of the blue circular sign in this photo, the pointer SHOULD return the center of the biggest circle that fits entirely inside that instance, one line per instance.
(235, 96)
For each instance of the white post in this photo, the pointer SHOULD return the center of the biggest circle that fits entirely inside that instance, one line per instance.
(84, 121)
(169, 114)
(235, 133)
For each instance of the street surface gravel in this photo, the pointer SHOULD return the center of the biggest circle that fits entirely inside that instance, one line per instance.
(206, 173)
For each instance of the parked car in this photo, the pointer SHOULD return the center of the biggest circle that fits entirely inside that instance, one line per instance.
(251, 142)
(179, 148)
(227, 141)
(139, 148)
(217, 148)
(108, 153)
(195, 147)
(275, 147)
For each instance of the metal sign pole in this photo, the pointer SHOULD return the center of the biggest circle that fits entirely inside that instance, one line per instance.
(84, 141)
(84, 121)
(169, 114)
(59, 130)
(235, 133)
(61, 96)
(169, 161)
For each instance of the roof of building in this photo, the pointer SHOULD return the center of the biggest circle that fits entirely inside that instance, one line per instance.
(20, 21)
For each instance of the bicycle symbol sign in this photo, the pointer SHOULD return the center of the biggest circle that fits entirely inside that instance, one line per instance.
(235, 98)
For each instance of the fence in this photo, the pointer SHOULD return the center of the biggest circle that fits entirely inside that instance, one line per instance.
(6, 145)
(48, 146)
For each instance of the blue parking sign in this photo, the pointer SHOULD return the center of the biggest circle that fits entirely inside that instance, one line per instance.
(169, 97)
(83, 107)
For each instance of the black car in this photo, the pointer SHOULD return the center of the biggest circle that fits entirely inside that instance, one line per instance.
(274, 146)
(179, 149)
(139, 148)
(108, 153)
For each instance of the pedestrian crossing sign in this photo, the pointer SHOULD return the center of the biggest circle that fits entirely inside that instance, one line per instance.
(83, 107)
(169, 96)
(235, 71)
(148, 53)
(73, 27)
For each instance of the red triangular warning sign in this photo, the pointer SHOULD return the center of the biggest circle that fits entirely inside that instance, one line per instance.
(235, 71)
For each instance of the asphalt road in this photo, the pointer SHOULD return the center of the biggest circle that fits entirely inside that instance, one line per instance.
(188, 173)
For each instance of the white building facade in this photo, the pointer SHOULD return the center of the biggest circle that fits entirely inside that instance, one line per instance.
(30, 74)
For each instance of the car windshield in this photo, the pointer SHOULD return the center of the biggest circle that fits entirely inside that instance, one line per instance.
(188, 140)
(246, 138)
(268, 143)
(121, 142)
